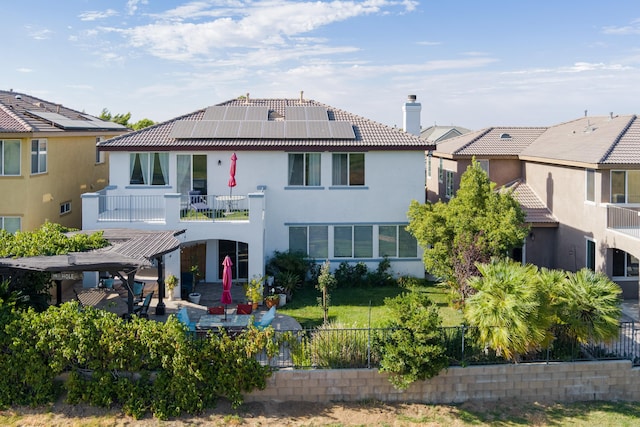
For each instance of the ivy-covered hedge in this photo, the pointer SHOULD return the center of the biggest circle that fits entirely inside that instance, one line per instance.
(143, 366)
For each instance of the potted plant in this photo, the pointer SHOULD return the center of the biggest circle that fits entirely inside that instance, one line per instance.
(272, 300)
(254, 290)
(171, 282)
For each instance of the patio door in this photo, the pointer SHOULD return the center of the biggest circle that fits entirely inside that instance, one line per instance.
(239, 254)
(192, 173)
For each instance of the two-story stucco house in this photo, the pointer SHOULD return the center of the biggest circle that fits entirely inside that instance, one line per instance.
(48, 158)
(579, 183)
(308, 177)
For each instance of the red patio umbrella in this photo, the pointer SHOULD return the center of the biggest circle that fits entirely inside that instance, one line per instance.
(232, 176)
(226, 283)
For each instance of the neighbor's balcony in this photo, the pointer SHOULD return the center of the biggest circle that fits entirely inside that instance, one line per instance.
(170, 208)
(624, 219)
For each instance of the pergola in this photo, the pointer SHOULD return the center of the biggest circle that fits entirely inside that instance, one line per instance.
(129, 251)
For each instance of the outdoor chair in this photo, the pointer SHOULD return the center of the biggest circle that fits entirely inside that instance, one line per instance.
(216, 310)
(266, 319)
(244, 309)
(197, 202)
(142, 309)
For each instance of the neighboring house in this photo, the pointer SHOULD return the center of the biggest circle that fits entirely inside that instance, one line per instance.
(436, 134)
(579, 183)
(309, 177)
(48, 158)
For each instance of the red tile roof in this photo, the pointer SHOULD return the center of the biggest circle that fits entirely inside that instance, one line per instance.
(368, 134)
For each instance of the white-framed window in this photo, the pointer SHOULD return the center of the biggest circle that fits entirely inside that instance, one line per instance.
(590, 185)
(429, 158)
(38, 156)
(353, 241)
(312, 240)
(149, 168)
(10, 224)
(625, 186)
(484, 164)
(449, 184)
(304, 169)
(394, 241)
(348, 169)
(100, 155)
(590, 257)
(624, 264)
(9, 157)
(440, 172)
(65, 208)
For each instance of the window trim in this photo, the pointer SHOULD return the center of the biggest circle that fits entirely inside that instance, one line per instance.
(3, 219)
(41, 156)
(590, 254)
(306, 169)
(65, 208)
(349, 166)
(448, 186)
(100, 155)
(3, 156)
(150, 172)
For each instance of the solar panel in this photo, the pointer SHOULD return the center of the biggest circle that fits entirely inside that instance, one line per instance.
(182, 129)
(235, 113)
(251, 129)
(316, 113)
(292, 113)
(214, 113)
(273, 130)
(227, 129)
(342, 130)
(204, 129)
(67, 123)
(295, 129)
(257, 113)
(318, 129)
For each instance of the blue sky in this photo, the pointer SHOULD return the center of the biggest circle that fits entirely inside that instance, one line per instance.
(471, 63)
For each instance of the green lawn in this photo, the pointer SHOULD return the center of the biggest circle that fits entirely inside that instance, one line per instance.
(360, 307)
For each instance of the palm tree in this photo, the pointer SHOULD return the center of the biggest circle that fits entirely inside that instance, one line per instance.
(511, 309)
(590, 306)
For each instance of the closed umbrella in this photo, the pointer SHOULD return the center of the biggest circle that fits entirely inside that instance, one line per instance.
(232, 177)
(226, 283)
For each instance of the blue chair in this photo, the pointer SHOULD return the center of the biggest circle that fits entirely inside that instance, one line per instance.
(142, 310)
(183, 317)
(266, 319)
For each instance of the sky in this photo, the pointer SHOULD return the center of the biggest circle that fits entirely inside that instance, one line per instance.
(471, 63)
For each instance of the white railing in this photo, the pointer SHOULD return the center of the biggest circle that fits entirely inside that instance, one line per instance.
(624, 219)
(131, 208)
(140, 208)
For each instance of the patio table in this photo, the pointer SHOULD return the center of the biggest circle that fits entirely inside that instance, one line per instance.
(233, 321)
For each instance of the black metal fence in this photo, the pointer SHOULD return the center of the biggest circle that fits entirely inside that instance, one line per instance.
(328, 348)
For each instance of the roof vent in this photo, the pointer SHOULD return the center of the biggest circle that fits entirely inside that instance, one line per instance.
(505, 136)
(18, 96)
(412, 98)
(301, 96)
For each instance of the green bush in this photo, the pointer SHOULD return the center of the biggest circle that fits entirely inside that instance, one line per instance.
(359, 276)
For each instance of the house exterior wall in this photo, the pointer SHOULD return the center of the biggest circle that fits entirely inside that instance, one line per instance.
(392, 180)
(71, 171)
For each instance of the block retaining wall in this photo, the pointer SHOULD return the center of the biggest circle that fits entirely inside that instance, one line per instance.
(530, 382)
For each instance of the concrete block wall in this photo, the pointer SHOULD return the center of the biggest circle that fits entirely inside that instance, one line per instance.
(530, 382)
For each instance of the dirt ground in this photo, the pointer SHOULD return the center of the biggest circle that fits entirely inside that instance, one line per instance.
(284, 414)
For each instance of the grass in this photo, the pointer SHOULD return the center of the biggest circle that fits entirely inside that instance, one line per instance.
(361, 307)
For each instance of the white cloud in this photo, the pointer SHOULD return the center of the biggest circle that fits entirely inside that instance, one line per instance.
(94, 15)
(132, 5)
(24, 70)
(39, 33)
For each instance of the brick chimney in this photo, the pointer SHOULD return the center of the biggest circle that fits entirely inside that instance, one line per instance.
(411, 115)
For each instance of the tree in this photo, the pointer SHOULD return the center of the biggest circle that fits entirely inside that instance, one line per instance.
(510, 309)
(588, 303)
(326, 282)
(414, 349)
(123, 119)
(476, 225)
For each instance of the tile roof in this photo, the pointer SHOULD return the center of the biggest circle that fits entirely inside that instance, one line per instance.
(536, 211)
(368, 134)
(494, 141)
(20, 112)
(440, 133)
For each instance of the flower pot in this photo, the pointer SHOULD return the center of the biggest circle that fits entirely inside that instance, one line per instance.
(194, 297)
(283, 300)
(254, 305)
(271, 302)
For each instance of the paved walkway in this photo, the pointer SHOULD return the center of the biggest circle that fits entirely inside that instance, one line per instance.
(115, 300)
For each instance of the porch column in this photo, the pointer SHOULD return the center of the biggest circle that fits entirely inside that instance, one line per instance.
(90, 210)
(160, 308)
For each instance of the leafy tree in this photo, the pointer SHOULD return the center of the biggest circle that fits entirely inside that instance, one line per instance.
(414, 349)
(474, 226)
(123, 119)
(588, 303)
(510, 308)
(326, 282)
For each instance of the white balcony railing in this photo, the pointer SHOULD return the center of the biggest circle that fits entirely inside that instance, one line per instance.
(624, 219)
(140, 208)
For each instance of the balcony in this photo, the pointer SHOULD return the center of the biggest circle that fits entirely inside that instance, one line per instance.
(102, 209)
(625, 220)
